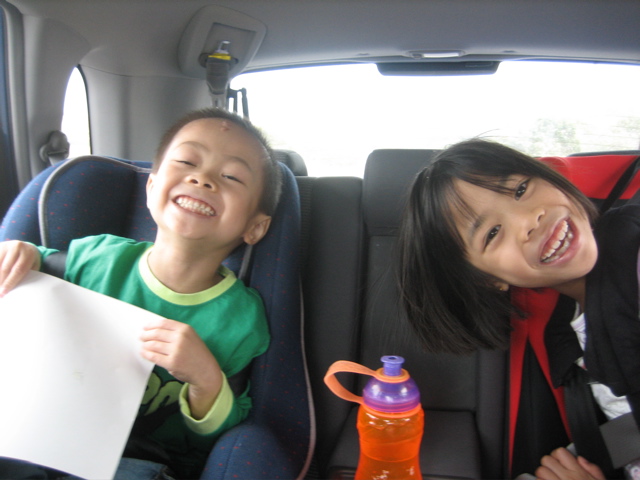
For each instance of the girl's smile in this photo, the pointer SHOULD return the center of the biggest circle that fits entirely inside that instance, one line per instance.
(558, 244)
(531, 235)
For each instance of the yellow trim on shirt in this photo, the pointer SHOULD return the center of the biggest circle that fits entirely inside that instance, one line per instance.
(216, 416)
(186, 299)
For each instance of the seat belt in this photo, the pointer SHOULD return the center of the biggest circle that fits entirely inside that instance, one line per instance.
(583, 420)
(54, 264)
(621, 185)
(56, 149)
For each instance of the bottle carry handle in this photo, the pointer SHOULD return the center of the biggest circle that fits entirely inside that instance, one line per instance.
(336, 387)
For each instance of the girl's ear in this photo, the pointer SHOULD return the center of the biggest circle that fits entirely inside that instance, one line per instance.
(502, 286)
(258, 229)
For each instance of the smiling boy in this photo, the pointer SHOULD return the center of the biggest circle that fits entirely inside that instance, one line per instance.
(213, 187)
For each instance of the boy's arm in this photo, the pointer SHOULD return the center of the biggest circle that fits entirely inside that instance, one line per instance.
(227, 410)
(16, 260)
(176, 347)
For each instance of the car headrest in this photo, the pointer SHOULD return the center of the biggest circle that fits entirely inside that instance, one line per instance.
(292, 160)
(388, 175)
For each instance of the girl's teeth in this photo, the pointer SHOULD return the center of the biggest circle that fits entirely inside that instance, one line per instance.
(559, 246)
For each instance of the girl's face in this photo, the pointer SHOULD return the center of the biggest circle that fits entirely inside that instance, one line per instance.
(536, 237)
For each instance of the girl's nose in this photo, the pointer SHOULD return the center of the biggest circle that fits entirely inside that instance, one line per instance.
(532, 221)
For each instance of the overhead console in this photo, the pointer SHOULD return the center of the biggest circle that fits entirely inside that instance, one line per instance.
(206, 32)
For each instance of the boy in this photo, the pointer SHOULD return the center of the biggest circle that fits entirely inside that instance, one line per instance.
(214, 186)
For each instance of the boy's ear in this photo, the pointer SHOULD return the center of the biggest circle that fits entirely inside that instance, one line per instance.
(149, 186)
(150, 181)
(257, 229)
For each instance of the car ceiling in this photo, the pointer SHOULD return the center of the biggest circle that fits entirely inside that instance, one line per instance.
(141, 37)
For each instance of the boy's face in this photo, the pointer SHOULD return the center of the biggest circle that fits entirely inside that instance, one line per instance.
(209, 183)
(536, 237)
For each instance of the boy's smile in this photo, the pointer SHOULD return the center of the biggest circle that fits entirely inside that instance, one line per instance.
(195, 206)
(533, 237)
(208, 185)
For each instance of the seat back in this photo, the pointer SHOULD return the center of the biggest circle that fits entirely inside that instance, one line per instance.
(471, 385)
(333, 261)
(92, 195)
(352, 313)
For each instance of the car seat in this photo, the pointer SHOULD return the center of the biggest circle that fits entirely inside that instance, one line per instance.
(91, 195)
(538, 418)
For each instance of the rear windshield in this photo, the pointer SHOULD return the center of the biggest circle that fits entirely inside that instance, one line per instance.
(334, 116)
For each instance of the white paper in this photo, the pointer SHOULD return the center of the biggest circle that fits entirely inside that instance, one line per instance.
(72, 375)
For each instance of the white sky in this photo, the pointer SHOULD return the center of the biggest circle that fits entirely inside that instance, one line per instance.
(335, 116)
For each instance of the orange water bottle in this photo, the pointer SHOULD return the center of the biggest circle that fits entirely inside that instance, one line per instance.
(390, 419)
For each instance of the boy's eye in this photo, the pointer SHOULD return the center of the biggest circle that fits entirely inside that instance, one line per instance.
(232, 178)
(186, 162)
(492, 234)
(521, 189)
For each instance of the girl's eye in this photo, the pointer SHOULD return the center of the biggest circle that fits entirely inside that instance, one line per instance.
(492, 234)
(521, 189)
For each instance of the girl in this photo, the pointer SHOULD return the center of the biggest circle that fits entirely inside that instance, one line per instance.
(483, 218)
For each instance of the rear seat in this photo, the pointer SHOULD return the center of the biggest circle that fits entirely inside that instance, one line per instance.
(351, 313)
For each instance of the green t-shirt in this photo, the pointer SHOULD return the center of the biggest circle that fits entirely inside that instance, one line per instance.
(229, 317)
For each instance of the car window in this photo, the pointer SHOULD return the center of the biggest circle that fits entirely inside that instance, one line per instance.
(75, 119)
(334, 116)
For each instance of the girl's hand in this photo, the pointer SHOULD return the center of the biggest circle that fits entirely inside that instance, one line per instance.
(176, 347)
(562, 465)
(16, 259)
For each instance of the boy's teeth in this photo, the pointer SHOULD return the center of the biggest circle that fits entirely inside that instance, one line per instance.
(559, 246)
(195, 206)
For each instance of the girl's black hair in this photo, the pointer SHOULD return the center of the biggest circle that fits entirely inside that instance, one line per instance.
(453, 306)
(272, 186)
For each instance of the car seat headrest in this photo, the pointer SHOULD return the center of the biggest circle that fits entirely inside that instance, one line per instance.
(292, 160)
(388, 175)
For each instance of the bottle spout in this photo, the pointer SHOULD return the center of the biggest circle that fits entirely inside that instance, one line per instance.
(392, 365)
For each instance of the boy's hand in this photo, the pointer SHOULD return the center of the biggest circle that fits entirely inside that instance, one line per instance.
(16, 259)
(176, 347)
(562, 465)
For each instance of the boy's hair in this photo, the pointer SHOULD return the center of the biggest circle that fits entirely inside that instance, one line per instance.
(453, 306)
(272, 174)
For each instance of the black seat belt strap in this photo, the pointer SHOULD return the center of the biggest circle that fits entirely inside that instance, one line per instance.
(54, 264)
(583, 421)
(621, 185)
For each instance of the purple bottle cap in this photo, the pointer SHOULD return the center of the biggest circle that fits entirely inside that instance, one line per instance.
(392, 365)
(391, 390)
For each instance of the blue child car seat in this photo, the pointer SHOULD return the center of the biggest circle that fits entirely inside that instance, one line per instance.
(91, 195)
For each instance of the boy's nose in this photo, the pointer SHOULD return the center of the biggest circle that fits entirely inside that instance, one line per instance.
(202, 182)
